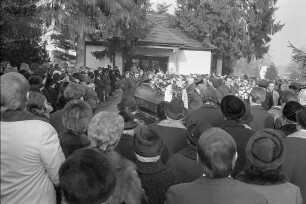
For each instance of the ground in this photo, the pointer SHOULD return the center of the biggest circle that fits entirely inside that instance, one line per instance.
(111, 104)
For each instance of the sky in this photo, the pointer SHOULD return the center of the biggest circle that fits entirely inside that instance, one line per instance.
(292, 13)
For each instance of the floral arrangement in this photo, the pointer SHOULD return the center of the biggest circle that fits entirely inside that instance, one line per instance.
(244, 90)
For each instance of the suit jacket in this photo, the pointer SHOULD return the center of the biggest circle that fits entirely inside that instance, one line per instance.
(262, 119)
(294, 166)
(184, 163)
(241, 135)
(213, 191)
(209, 112)
(194, 99)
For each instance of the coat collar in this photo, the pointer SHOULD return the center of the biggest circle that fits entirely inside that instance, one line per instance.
(150, 167)
(15, 116)
(232, 123)
(172, 123)
(227, 181)
(189, 152)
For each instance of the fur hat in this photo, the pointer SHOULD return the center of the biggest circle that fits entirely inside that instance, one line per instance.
(290, 109)
(105, 130)
(147, 142)
(175, 109)
(75, 91)
(195, 130)
(265, 150)
(232, 107)
(128, 118)
(301, 118)
(127, 103)
(87, 177)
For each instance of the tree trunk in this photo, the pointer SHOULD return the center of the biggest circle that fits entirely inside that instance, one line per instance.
(219, 66)
(114, 61)
(80, 54)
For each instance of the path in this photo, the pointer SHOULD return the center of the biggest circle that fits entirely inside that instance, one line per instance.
(111, 104)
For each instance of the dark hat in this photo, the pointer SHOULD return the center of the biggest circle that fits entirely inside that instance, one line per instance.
(87, 176)
(263, 83)
(265, 150)
(36, 80)
(127, 103)
(290, 109)
(232, 107)
(128, 118)
(175, 109)
(195, 130)
(301, 118)
(248, 116)
(147, 142)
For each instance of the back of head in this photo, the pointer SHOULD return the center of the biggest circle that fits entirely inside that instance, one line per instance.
(105, 130)
(216, 151)
(76, 116)
(74, 91)
(87, 177)
(288, 96)
(36, 101)
(301, 119)
(302, 97)
(194, 131)
(232, 107)
(258, 95)
(127, 103)
(14, 90)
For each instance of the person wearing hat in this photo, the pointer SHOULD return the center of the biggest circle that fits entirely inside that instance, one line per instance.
(172, 130)
(295, 163)
(87, 177)
(262, 119)
(124, 146)
(72, 92)
(216, 155)
(265, 153)
(155, 177)
(289, 118)
(185, 161)
(104, 131)
(234, 110)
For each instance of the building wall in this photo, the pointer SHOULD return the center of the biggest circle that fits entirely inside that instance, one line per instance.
(92, 62)
(194, 62)
(183, 61)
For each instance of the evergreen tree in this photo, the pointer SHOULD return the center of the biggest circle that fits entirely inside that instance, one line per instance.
(21, 33)
(162, 8)
(235, 28)
(271, 73)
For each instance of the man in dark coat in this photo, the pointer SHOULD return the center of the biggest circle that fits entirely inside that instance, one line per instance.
(262, 119)
(185, 161)
(294, 165)
(216, 152)
(233, 110)
(155, 177)
(130, 84)
(195, 95)
(172, 130)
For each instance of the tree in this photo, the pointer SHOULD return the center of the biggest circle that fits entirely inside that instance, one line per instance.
(162, 8)
(235, 28)
(21, 32)
(271, 73)
(76, 19)
(299, 57)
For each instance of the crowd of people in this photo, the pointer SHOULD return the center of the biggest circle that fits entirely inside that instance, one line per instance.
(240, 141)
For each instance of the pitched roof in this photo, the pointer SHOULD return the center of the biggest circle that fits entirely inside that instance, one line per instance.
(163, 32)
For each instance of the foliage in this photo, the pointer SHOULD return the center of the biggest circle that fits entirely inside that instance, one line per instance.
(20, 26)
(162, 8)
(271, 73)
(299, 57)
(236, 28)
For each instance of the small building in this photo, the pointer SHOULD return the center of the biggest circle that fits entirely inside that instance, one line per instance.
(165, 47)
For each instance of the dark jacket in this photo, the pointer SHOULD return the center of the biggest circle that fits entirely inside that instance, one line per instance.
(272, 185)
(56, 121)
(71, 142)
(241, 135)
(262, 119)
(195, 100)
(174, 136)
(99, 88)
(184, 163)
(156, 179)
(209, 112)
(207, 190)
(129, 86)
